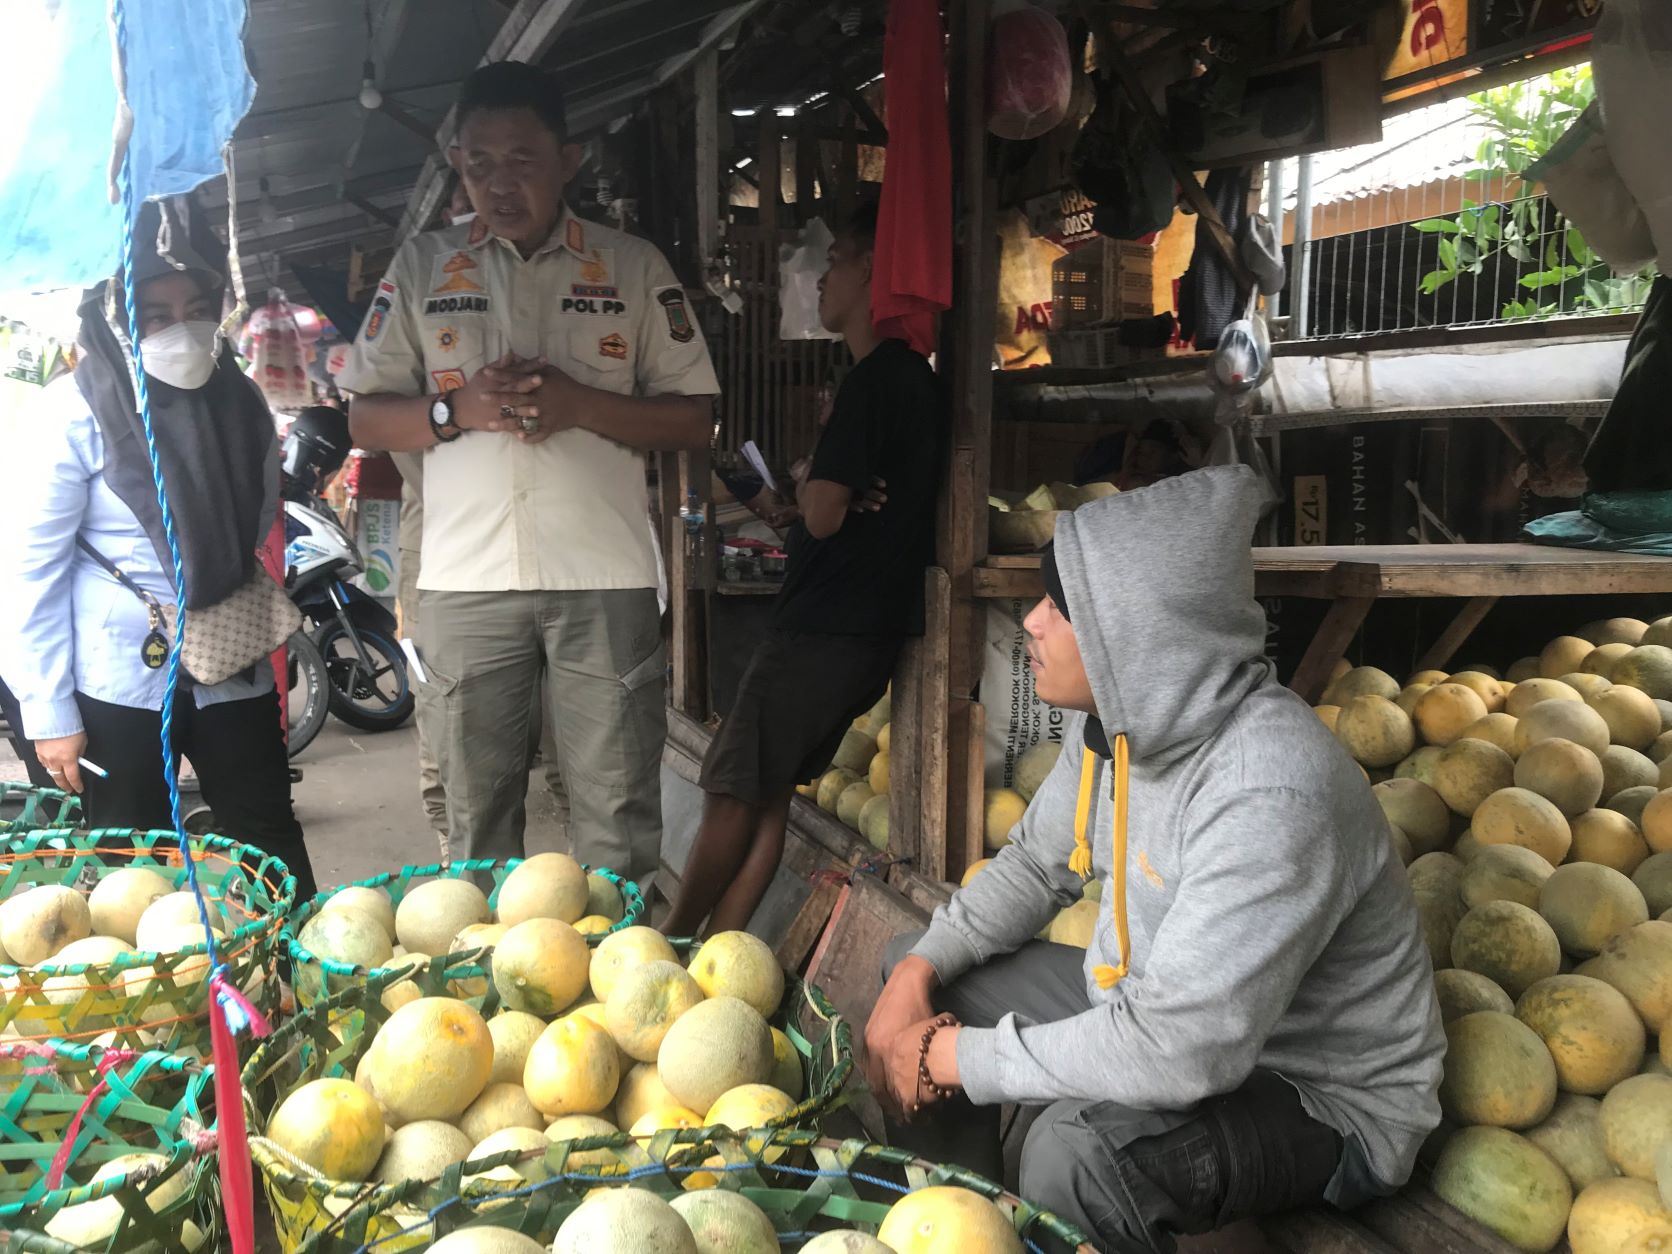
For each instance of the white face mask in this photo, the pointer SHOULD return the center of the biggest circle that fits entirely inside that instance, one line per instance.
(182, 355)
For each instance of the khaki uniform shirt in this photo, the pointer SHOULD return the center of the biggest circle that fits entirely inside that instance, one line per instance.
(601, 305)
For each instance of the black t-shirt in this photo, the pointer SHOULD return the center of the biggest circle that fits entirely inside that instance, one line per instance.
(867, 579)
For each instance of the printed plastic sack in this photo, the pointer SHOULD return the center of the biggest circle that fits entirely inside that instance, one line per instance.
(800, 267)
(1016, 718)
(1583, 182)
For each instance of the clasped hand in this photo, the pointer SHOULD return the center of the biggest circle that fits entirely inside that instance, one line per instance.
(527, 397)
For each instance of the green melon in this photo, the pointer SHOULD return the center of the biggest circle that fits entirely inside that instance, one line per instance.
(1464, 992)
(1572, 1135)
(1653, 878)
(1504, 873)
(1469, 771)
(1636, 1121)
(1586, 903)
(1647, 667)
(1508, 943)
(1506, 1183)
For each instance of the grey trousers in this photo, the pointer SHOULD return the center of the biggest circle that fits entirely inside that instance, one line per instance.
(1132, 1179)
(430, 791)
(604, 668)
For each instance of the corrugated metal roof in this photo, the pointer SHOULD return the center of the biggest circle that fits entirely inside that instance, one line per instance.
(1424, 146)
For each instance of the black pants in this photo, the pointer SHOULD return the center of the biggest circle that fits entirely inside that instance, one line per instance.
(21, 744)
(238, 750)
(1134, 1179)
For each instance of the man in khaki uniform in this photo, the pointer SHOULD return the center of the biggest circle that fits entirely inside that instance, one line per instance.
(535, 358)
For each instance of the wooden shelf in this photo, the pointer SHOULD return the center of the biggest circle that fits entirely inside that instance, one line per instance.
(747, 587)
(1268, 424)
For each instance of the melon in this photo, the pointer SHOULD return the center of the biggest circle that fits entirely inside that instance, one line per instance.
(1467, 847)
(1002, 810)
(514, 1033)
(1327, 714)
(1563, 654)
(1609, 1214)
(1406, 700)
(1506, 1183)
(1522, 670)
(351, 937)
(1498, 1072)
(1504, 873)
(1418, 811)
(1508, 943)
(580, 1127)
(600, 1015)
(1375, 731)
(1632, 717)
(1656, 822)
(879, 715)
(1561, 720)
(1489, 690)
(485, 1241)
(1636, 1120)
(1075, 925)
(1495, 729)
(92, 1225)
(1653, 878)
(546, 886)
(1587, 686)
(1586, 903)
(1647, 667)
(572, 1069)
(1361, 681)
(1435, 880)
(855, 752)
(1626, 631)
(786, 1066)
(68, 989)
(1427, 679)
(399, 993)
(620, 951)
(594, 924)
(421, 1151)
(749, 1106)
(845, 1241)
(885, 737)
(1610, 839)
(645, 1003)
(167, 915)
(1594, 1036)
(716, 1046)
(1420, 765)
(604, 899)
(1519, 816)
(945, 1219)
(641, 1091)
(1638, 962)
(873, 822)
(370, 901)
(1563, 773)
(624, 1221)
(1464, 992)
(724, 1222)
(1662, 747)
(737, 964)
(501, 1106)
(1528, 695)
(1402, 848)
(832, 784)
(540, 966)
(520, 1171)
(1469, 771)
(332, 1125)
(1034, 765)
(38, 922)
(430, 1060)
(878, 776)
(1632, 803)
(852, 802)
(1445, 710)
(121, 897)
(1602, 659)
(434, 912)
(1572, 1135)
(1624, 768)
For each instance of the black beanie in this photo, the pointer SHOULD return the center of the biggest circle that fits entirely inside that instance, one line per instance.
(1053, 578)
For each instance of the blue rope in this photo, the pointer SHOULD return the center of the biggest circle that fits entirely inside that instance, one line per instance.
(171, 685)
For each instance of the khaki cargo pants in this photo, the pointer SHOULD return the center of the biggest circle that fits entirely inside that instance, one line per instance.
(604, 666)
(430, 790)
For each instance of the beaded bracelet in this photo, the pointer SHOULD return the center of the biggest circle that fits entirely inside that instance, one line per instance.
(937, 1092)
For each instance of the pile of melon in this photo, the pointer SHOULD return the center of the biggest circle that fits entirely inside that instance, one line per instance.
(855, 787)
(623, 1037)
(941, 1219)
(1534, 812)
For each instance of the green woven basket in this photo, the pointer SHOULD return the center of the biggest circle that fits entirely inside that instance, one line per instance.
(24, 808)
(812, 1185)
(163, 1006)
(316, 1044)
(149, 1102)
(314, 977)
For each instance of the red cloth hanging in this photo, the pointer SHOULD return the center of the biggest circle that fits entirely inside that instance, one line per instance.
(911, 275)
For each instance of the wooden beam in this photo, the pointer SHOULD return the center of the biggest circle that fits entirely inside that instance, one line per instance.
(705, 78)
(865, 113)
(400, 114)
(1457, 633)
(373, 211)
(806, 170)
(770, 163)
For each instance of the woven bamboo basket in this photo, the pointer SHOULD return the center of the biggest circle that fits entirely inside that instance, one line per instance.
(120, 1103)
(24, 808)
(315, 1045)
(805, 1183)
(315, 977)
(164, 1005)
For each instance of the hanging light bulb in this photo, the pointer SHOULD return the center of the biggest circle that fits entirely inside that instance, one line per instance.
(370, 97)
(851, 19)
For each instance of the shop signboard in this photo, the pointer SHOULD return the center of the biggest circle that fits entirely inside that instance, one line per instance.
(1443, 40)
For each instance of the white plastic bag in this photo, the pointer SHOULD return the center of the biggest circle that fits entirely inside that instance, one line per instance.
(1632, 60)
(800, 267)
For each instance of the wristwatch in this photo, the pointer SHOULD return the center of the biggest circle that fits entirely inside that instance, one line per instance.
(441, 419)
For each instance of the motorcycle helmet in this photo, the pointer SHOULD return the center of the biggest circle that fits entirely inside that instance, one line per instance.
(317, 446)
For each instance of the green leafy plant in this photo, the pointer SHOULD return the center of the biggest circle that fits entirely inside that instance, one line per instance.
(1566, 276)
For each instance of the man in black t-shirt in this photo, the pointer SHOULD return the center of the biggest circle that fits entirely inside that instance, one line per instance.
(852, 594)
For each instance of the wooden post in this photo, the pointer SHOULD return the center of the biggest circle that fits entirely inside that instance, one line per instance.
(806, 171)
(706, 80)
(771, 172)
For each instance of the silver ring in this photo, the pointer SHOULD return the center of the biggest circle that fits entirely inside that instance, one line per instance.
(530, 425)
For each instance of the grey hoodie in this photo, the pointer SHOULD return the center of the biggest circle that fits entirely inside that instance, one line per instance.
(1271, 925)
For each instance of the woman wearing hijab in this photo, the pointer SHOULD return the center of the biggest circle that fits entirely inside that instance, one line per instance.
(85, 563)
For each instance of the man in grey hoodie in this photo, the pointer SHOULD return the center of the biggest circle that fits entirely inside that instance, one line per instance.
(1253, 1026)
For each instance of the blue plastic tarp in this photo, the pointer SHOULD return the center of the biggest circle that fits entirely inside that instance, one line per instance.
(188, 86)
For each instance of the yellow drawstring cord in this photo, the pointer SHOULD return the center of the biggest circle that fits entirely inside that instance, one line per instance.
(1079, 861)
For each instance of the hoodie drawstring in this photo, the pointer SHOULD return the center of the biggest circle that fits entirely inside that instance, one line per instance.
(1079, 861)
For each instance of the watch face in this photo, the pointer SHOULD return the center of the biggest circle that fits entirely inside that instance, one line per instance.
(441, 411)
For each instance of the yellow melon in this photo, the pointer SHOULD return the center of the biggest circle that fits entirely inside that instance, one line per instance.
(430, 1060)
(572, 1069)
(1653, 878)
(1587, 686)
(1507, 1184)
(540, 966)
(1648, 667)
(726, 1222)
(885, 737)
(1632, 803)
(971, 871)
(520, 1171)
(713, 1047)
(1498, 1072)
(580, 1127)
(1602, 659)
(1401, 845)
(1657, 821)
(1593, 1034)
(1464, 992)
(352, 937)
(38, 922)
(1638, 962)
(749, 1106)
(878, 775)
(1375, 731)
(641, 1091)
(121, 896)
(1519, 816)
(663, 1119)
(501, 1106)
(624, 1221)
(786, 1066)
(1636, 1121)
(599, 1014)
(546, 886)
(1489, 690)
(1586, 903)
(845, 1241)
(1496, 729)
(1522, 670)
(370, 901)
(1362, 681)
(1508, 943)
(1406, 700)
(434, 912)
(645, 1003)
(332, 1125)
(1504, 873)
(1445, 710)
(1469, 771)
(1002, 810)
(1529, 694)
(594, 924)
(421, 1151)
(737, 964)
(945, 1219)
(1562, 655)
(1608, 1214)
(1419, 765)
(1572, 1135)
(1418, 811)
(1435, 879)
(1610, 839)
(1632, 717)
(1567, 775)
(832, 784)
(1327, 714)
(1427, 679)
(621, 951)
(1561, 720)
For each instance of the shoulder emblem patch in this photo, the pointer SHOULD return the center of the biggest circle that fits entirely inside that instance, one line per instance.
(672, 301)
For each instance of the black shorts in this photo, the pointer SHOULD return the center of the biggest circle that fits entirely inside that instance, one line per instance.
(799, 694)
